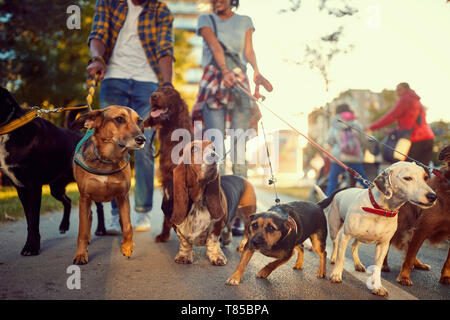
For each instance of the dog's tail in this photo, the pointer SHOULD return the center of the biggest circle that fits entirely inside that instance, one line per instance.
(320, 193)
(326, 202)
(72, 116)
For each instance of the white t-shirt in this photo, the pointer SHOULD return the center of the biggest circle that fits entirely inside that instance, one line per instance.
(128, 59)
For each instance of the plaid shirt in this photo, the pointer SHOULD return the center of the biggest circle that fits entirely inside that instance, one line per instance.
(154, 28)
(214, 95)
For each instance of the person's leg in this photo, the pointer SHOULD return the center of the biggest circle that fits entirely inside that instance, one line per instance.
(143, 159)
(239, 123)
(335, 170)
(238, 140)
(114, 92)
(215, 131)
(422, 151)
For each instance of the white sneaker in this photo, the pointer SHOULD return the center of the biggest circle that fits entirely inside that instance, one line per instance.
(114, 228)
(142, 222)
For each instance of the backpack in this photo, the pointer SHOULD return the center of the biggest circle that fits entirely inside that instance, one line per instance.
(350, 144)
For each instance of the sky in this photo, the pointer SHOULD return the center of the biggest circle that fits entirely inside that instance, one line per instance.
(394, 41)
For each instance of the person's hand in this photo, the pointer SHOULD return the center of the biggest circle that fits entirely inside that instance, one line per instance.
(96, 66)
(367, 130)
(228, 79)
(258, 79)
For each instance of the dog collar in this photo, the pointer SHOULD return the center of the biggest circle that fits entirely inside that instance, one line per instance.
(377, 209)
(78, 157)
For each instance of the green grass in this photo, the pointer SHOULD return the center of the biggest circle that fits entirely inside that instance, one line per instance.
(13, 207)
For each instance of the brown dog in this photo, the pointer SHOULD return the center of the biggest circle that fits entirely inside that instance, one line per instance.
(102, 170)
(169, 113)
(204, 202)
(416, 224)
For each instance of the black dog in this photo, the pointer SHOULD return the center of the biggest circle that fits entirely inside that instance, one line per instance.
(33, 155)
(280, 230)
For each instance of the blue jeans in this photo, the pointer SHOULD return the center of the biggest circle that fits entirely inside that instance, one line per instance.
(215, 119)
(136, 95)
(336, 169)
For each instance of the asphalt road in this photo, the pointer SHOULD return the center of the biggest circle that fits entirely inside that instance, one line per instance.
(151, 273)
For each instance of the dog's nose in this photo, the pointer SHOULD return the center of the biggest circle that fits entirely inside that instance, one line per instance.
(431, 196)
(257, 241)
(140, 140)
(154, 95)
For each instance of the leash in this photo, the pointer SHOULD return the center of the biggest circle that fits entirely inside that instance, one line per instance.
(151, 146)
(315, 144)
(37, 112)
(272, 179)
(434, 171)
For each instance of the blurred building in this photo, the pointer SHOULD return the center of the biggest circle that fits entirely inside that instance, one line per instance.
(185, 14)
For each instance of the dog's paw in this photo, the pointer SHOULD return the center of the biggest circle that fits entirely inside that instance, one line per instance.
(385, 268)
(162, 238)
(404, 281)
(360, 268)
(422, 266)
(233, 281)
(184, 259)
(100, 232)
(80, 258)
(127, 248)
(298, 266)
(218, 260)
(444, 280)
(63, 227)
(380, 292)
(321, 275)
(336, 278)
(263, 273)
(30, 250)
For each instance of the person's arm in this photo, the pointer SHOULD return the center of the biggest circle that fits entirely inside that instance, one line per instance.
(217, 50)
(164, 49)
(250, 52)
(98, 38)
(400, 108)
(97, 64)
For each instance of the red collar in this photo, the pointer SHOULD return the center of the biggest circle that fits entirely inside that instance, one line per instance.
(378, 210)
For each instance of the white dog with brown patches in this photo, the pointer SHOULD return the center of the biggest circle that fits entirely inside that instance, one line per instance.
(370, 215)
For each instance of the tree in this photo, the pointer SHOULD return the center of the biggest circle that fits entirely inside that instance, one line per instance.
(320, 53)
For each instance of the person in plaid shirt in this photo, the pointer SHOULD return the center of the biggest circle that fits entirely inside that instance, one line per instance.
(131, 44)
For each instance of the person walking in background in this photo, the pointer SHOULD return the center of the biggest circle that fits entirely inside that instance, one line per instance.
(346, 145)
(410, 115)
(131, 44)
(219, 104)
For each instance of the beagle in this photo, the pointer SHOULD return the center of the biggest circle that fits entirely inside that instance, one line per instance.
(205, 202)
(370, 216)
(102, 170)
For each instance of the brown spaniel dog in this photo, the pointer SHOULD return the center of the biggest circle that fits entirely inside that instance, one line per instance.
(169, 113)
(204, 202)
(416, 224)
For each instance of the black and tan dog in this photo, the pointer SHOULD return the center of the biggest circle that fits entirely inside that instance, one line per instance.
(281, 230)
(102, 170)
(33, 155)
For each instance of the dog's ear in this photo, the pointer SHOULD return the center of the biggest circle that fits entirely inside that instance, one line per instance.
(214, 199)
(90, 120)
(383, 183)
(180, 194)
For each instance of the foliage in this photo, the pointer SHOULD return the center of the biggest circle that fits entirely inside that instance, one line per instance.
(320, 53)
(43, 63)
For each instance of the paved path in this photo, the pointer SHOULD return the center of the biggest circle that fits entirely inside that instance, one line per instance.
(151, 272)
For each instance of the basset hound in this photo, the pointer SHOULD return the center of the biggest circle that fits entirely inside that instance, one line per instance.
(205, 203)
